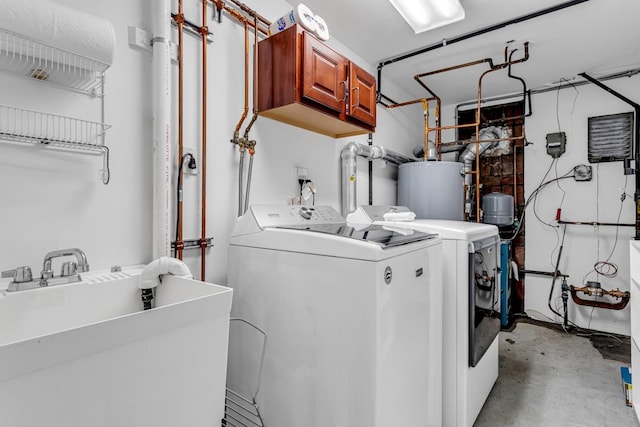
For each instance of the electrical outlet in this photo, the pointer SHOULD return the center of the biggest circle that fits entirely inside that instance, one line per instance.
(140, 38)
(185, 167)
(301, 173)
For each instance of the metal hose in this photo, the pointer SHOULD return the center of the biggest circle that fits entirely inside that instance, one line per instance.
(240, 171)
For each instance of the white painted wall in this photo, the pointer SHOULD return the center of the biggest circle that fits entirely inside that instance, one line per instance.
(54, 200)
(598, 200)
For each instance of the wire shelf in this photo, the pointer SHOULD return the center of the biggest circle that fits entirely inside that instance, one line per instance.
(50, 130)
(34, 126)
(30, 58)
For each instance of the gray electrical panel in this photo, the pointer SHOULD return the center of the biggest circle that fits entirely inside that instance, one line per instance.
(556, 144)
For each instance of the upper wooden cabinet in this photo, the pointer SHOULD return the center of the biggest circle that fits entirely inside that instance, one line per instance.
(303, 82)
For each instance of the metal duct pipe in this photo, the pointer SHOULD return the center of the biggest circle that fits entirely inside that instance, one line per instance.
(161, 128)
(468, 156)
(350, 168)
(418, 150)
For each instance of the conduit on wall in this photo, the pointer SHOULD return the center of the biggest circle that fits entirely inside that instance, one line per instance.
(161, 242)
(161, 128)
(203, 170)
(179, 19)
(467, 36)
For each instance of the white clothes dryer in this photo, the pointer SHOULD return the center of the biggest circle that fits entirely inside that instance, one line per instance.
(353, 319)
(471, 293)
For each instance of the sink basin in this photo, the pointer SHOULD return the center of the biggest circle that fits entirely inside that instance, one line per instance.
(84, 354)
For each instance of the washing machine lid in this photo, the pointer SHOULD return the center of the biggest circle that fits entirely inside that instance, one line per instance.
(381, 235)
(321, 230)
(447, 229)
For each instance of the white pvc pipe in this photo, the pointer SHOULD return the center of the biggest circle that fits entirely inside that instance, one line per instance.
(149, 278)
(161, 240)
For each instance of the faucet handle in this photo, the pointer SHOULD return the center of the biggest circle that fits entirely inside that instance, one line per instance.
(19, 274)
(69, 268)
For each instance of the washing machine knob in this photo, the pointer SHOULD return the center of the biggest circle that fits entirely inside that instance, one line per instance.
(305, 213)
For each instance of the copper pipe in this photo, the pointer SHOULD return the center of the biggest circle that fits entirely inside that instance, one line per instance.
(240, 17)
(515, 182)
(426, 125)
(465, 125)
(477, 141)
(478, 112)
(425, 146)
(255, 81)
(245, 110)
(425, 108)
(455, 67)
(413, 101)
(624, 297)
(179, 18)
(251, 12)
(203, 202)
(438, 113)
(439, 130)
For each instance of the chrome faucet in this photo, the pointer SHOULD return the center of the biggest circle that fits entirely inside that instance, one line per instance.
(68, 269)
(23, 279)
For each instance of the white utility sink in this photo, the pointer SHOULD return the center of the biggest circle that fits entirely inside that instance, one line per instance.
(85, 354)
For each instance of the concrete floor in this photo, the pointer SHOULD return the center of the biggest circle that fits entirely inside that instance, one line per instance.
(548, 378)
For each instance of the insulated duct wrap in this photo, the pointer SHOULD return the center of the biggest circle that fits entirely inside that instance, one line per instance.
(59, 26)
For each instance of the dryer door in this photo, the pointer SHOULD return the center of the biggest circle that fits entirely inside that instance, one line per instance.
(484, 296)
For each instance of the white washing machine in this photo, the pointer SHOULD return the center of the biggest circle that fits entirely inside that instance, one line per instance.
(471, 280)
(353, 320)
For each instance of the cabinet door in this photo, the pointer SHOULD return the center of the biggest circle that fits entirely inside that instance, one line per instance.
(362, 95)
(324, 74)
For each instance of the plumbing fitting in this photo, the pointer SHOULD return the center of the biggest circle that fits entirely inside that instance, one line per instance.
(81, 267)
(349, 169)
(70, 273)
(22, 279)
(152, 273)
(597, 291)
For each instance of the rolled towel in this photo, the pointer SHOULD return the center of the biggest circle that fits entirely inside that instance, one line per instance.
(60, 26)
(399, 216)
(322, 31)
(301, 15)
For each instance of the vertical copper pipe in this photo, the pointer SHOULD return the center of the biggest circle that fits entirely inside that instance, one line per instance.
(180, 20)
(203, 213)
(255, 79)
(478, 108)
(425, 112)
(245, 111)
(515, 179)
(438, 127)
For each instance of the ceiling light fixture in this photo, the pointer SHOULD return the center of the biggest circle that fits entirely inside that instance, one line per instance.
(425, 15)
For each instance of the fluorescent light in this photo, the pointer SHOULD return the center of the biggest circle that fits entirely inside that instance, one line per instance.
(424, 15)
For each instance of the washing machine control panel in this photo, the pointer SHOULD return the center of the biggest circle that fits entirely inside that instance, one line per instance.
(287, 215)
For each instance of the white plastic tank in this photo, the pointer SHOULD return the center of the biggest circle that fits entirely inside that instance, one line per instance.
(433, 190)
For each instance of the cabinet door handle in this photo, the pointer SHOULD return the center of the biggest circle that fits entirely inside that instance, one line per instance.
(344, 92)
(357, 103)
